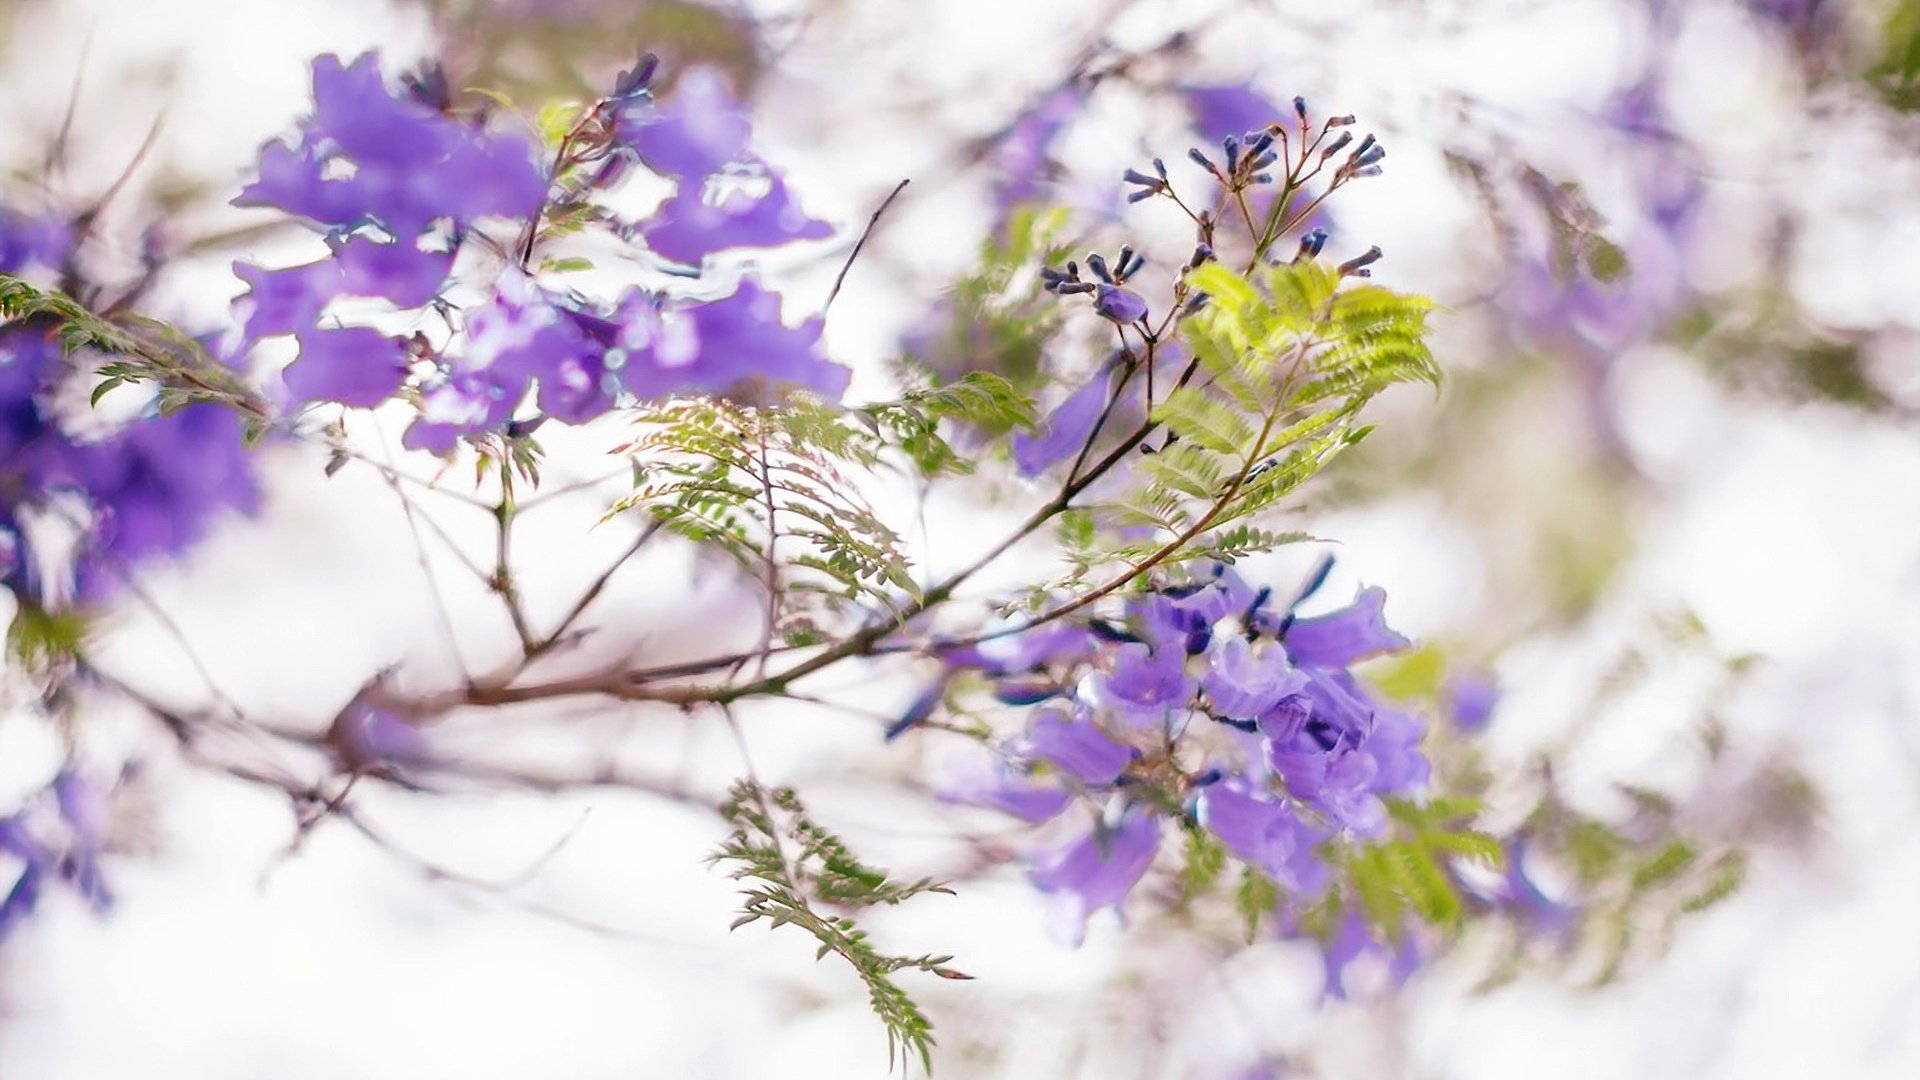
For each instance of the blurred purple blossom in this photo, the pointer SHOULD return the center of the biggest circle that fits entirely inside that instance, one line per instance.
(738, 338)
(353, 366)
(1471, 696)
(1017, 653)
(1229, 109)
(694, 134)
(1244, 680)
(1351, 941)
(147, 490)
(1143, 689)
(58, 835)
(1066, 429)
(697, 222)
(1024, 154)
(1074, 745)
(367, 155)
(30, 242)
(1097, 870)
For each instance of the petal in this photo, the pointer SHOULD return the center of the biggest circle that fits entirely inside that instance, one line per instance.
(355, 366)
(1352, 633)
(1077, 747)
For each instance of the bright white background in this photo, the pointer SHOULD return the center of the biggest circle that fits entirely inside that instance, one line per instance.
(1792, 533)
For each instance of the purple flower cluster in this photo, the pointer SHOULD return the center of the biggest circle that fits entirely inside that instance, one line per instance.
(398, 187)
(78, 505)
(57, 837)
(726, 197)
(1207, 696)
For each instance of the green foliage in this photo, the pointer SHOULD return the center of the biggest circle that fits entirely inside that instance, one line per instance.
(144, 351)
(1897, 73)
(999, 319)
(1579, 248)
(1255, 899)
(1726, 874)
(1205, 858)
(1406, 875)
(1280, 372)
(39, 638)
(777, 490)
(770, 489)
(792, 866)
(981, 400)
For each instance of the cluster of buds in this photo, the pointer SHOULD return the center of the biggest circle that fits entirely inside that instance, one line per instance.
(1247, 158)
(1357, 266)
(1110, 299)
(1149, 185)
(1364, 161)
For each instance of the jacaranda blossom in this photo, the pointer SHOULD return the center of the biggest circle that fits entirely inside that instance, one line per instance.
(1200, 694)
(1097, 870)
(370, 156)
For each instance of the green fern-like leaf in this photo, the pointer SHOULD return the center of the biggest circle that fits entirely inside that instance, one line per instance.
(791, 866)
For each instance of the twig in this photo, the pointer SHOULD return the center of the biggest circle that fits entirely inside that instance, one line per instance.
(872, 222)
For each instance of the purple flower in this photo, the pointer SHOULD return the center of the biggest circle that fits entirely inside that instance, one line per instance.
(1470, 698)
(702, 219)
(1353, 633)
(1120, 305)
(1067, 428)
(1024, 154)
(1343, 711)
(516, 338)
(997, 788)
(82, 807)
(1394, 745)
(1243, 681)
(154, 488)
(29, 363)
(399, 272)
(1143, 687)
(1338, 783)
(40, 845)
(519, 336)
(1259, 829)
(32, 242)
(1169, 624)
(286, 301)
(1098, 870)
(1517, 893)
(697, 132)
(34, 864)
(721, 344)
(354, 366)
(1224, 595)
(576, 387)
(368, 737)
(1351, 942)
(369, 155)
(1229, 109)
(148, 489)
(1028, 650)
(1077, 747)
(290, 301)
(463, 404)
